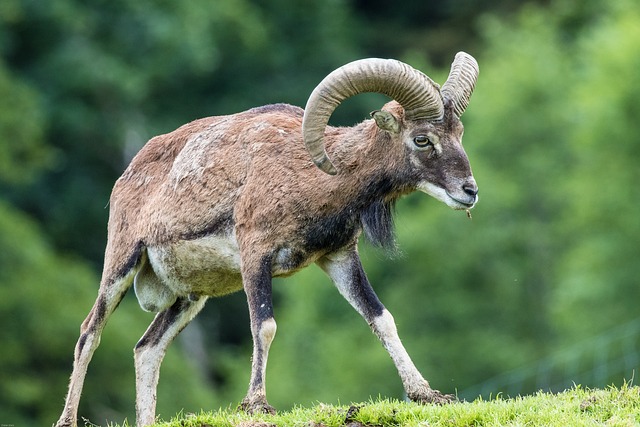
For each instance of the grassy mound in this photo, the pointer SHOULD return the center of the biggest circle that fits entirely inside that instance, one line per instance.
(576, 407)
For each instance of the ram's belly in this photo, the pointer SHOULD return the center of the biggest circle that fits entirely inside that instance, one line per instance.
(206, 266)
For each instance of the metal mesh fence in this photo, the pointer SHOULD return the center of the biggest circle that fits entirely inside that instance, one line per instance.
(609, 358)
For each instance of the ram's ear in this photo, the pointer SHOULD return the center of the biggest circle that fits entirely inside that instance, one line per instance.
(386, 121)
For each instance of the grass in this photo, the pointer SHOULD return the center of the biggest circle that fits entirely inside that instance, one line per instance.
(576, 407)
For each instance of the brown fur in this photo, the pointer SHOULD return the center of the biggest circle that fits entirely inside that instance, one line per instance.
(253, 166)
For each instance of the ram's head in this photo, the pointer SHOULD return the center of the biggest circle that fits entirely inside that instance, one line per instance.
(426, 121)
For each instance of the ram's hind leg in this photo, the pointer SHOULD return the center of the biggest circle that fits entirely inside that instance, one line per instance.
(347, 273)
(151, 349)
(109, 296)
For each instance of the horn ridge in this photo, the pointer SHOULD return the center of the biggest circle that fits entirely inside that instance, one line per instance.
(461, 82)
(417, 93)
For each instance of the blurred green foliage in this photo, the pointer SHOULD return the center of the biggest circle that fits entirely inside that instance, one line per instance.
(549, 259)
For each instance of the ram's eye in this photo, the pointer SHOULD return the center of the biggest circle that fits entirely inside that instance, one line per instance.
(422, 141)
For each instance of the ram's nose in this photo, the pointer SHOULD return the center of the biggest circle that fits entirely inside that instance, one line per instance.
(471, 188)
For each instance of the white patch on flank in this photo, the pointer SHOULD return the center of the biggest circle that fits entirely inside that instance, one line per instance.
(190, 161)
(193, 159)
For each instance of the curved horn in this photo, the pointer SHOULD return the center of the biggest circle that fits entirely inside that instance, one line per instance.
(418, 94)
(461, 82)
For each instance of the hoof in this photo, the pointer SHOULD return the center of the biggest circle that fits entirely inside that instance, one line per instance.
(256, 406)
(434, 397)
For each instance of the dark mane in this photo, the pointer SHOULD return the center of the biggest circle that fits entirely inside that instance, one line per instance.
(377, 224)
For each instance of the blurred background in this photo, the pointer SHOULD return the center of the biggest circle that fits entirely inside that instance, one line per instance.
(540, 290)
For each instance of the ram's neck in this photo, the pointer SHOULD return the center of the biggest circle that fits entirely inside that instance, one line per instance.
(368, 162)
(372, 175)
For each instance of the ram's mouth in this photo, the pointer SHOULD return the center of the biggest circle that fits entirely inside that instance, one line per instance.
(459, 204)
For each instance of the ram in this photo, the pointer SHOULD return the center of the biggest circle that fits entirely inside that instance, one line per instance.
(227, 203)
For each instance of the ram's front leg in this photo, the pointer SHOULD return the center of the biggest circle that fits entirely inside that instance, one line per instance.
(346, 271)
(256, 277)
